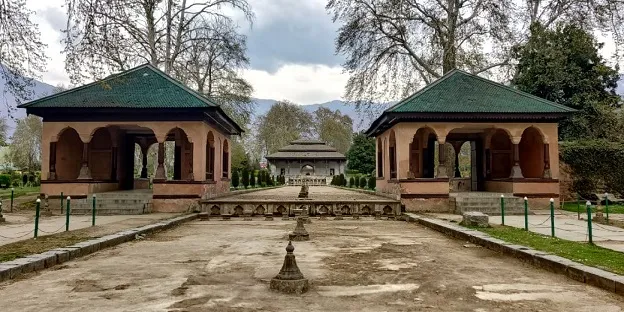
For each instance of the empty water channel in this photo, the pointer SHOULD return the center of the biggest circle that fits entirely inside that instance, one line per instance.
(284, 201)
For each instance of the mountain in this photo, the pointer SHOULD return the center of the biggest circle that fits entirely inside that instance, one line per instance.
(7, 100)
(361, 120)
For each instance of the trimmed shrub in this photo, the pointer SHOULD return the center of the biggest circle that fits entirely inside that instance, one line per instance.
(5, 180)
(252, 179)
(245, 177)
(363, 182)
(235, 179)
(343, 180)
(372, 183)
(352, 182)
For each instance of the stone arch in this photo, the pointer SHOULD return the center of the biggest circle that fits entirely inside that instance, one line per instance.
(238, 210)
(365, 210)
(259, 210)
(226, 158)
(210, 157)
(345, 210)
(101, 154)
(387, 210)
(307, 170)
(183, 154)
(215, 210)
(69, 148)
(501, 149)
(324, 209)
(392, 155)
(422, 151)
(531, 150)
(281, 209)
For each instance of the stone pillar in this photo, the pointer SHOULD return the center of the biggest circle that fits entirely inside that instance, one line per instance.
(114, 163)
(85, 172)
(516, 172)
(190, 175)
(52, 172)
(488, 163)
(442, 161)
(547, 172)
(457, 148)
(160, 170)
(144, 152)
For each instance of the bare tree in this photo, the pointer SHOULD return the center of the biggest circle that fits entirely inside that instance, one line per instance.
(22, 54)
(284, 122)
(334, 128)
(393, 46)
(25, 147)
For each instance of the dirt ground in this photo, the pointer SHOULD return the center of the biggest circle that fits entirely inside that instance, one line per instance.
(352, 265)
(314, 193)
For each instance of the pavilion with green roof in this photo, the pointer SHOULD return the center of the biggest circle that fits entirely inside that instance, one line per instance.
(504, 141)
(90, 134)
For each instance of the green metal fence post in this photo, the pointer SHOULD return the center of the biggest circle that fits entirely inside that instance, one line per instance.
(607, 206)
(62, 198)
(93, 212)
(502, 204)
(12, 194)
(526, 214)
(67, 211)
(552, 217)
(578, 206)
(37, 211)
(589, 222)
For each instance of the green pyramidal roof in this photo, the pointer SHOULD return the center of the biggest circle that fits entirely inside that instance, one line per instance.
(461, 92)
(141, 87)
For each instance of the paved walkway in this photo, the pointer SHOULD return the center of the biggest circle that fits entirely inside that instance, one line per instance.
(20, 226)
(567, 226)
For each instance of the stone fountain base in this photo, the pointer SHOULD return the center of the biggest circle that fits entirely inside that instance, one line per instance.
(298, 286)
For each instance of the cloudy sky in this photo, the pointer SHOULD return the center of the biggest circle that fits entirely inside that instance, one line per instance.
(290, 45)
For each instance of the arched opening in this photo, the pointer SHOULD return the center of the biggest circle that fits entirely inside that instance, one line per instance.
(307, 170)
(392, 155)
(366, 210)
(68, 155)
(463, 166)
(281, 210)
(101, 155)
(215, 210)
(226, 159)
(259, 210)
(238, 211)
(210, 157)
(422, 151)
(387, 210)
(182, 155)
(379, 158)
(345, 210)
(501, 160)
(324, 209)
(531, 150)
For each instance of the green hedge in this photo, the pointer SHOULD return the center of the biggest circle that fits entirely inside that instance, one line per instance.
(594, 164)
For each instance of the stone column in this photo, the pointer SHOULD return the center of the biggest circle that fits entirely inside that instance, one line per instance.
(52, 173)
(160, 170)
(442, 161)
(547, 172)
(516, 172)
(85, 172)
(114, 163)
(144, 152)
(457, 148)
(190, 175)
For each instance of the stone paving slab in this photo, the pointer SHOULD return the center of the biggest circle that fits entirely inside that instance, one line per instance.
(577, 271)
(48, 259)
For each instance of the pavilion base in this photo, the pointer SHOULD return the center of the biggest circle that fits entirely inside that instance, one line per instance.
(299, 286)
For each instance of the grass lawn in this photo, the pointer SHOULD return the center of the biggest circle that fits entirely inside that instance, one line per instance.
(31, 246)
(572, 206)
(19, 191)
(584, 253)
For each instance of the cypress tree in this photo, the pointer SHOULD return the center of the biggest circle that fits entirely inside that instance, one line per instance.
(252, 179)
(362, 182)
(352, 182)
(245, 177)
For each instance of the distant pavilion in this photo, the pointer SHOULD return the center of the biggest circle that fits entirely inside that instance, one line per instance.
(309, 158)
(512, 136)
(90, 132)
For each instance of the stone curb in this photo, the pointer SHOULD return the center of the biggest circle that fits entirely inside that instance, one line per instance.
(239, 192)
(574, 270)
(50, 258)
(369, 192)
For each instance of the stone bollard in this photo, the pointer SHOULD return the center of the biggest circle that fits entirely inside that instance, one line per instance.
(338, 215)
(300, 233)
(204, 216)
(46, 206)
(377, 215)
(268, 217)
(289, 279)
(356, 216)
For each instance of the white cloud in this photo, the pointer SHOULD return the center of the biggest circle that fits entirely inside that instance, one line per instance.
(302, 84)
